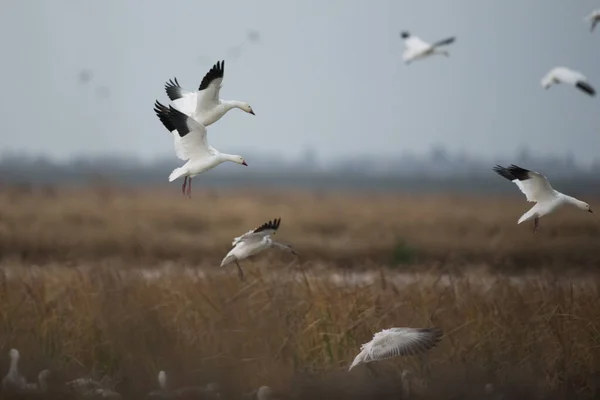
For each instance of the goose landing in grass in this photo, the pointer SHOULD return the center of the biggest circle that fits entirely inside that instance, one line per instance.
(396, 342)
(253, 242)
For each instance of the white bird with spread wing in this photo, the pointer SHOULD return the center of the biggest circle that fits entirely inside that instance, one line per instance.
(396, 342)
(253, 242)
(537, 189)
(204, 105)
(191, 145)
(565, 75)
(593, 18)
(417, 49)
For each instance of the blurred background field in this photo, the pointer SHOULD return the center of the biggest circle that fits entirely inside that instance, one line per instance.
(126, 282)
(344, 230)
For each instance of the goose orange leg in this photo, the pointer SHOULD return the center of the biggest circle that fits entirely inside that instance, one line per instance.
(184, 184)
(189, 190)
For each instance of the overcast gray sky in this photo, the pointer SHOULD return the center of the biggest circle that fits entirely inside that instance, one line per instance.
(326, 74)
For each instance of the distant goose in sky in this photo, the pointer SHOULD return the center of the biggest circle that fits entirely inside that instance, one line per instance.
(253, 242)
(565, 75)
(537, 189)
(417, 49)
(394, 342)
(204, 105)
(191, 145)
(593, 18)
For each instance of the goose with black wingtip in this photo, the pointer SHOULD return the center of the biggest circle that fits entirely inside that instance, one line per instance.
(418, 49)
(253, 242)
(204, 105)
(537, 189)
(191, 145)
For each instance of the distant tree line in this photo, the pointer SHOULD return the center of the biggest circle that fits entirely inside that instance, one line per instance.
(439, 171)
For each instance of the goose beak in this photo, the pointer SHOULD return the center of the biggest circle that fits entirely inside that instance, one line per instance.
(251, 112)
(294, 253)
(244, 163)
(590, 210)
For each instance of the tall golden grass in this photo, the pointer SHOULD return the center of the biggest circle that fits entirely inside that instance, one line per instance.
(128, 283)
(348, 230)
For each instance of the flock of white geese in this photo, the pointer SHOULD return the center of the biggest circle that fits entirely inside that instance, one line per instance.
(191, 112)
(187, 118)
(14, 384)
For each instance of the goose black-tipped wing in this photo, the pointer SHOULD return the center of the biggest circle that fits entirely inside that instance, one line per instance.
(534, 185)
(265, 229)
(192, 142)
(404, 34)
(503, 172)
(444, 42)
(519, 173)
(271, 225)
(585, 87)
(513, 172)
(173, 89)
(179, 121)
(162, 112)
(209, 89)
(216, 72)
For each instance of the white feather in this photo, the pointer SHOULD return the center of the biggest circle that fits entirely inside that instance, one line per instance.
(395, 342)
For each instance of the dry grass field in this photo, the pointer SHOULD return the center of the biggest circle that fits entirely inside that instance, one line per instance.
(127, 283)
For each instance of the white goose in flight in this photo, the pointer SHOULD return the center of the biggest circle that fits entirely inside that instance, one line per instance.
(537, 189)
(253, 242)
(417, 49)
(565, 75)
(396, 342)
(191, 145)
(204, 105)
